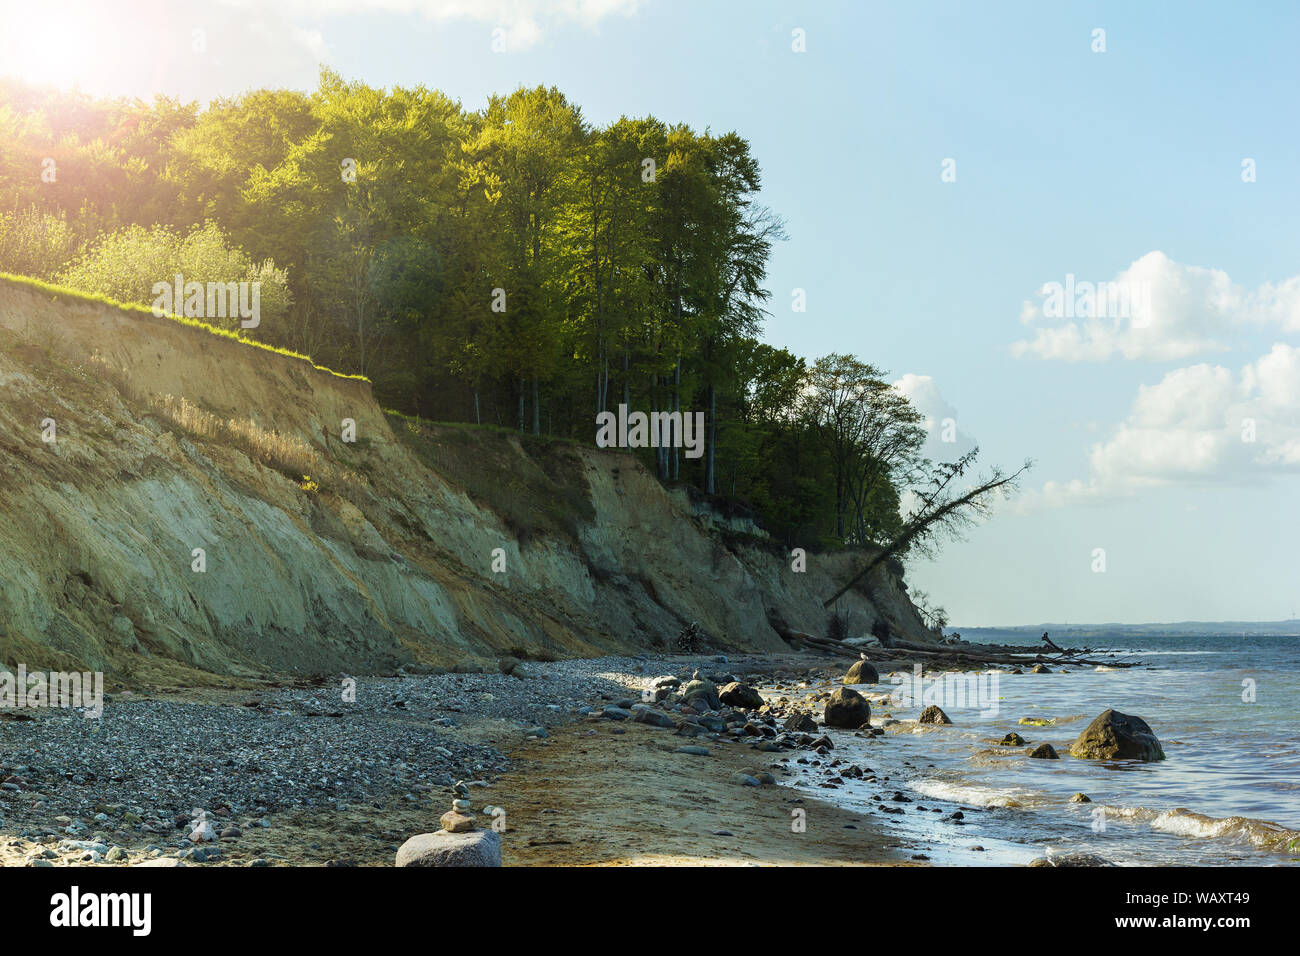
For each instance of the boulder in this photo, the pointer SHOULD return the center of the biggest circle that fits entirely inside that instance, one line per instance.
(1040, 669)
(740, 695)
(476, 848)
(1044, 752)
(1116, 736)
(847, 708)
(655, 718)
(1070, 859)
(1012, 740)
(1081, 798)
(862, 672)
(801, 723)
(703, 690)
(933, 715)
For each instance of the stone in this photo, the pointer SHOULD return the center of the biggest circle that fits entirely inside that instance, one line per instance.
(205, 832)
(1040, 669)
(933, 715)
(694, 751)
(745, 780)
(167, 861)
(1012, 740)
(1070, 859)
(740, 695)
(116, 855)
(704, 690)
(615, 713)
(655, 718)
(848, 709)
(1044, 752)
(801, 723)
(453, 821)
(862, 672)
(1116, 736)
(1081, 798)
(474, 848)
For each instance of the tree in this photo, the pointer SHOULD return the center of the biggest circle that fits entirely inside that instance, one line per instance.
(940, 512)
(125, 266)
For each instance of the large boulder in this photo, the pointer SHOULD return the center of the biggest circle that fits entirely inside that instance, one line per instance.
(1044, 752)
(847, 708)
(862, 672)
(476, 848)
(1116, 736)
(933, 715)
(741, 695)
(703, 690)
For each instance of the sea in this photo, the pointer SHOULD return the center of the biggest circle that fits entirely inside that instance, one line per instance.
(1225, 708)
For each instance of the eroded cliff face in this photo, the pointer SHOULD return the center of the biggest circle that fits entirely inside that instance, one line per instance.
(197, 516)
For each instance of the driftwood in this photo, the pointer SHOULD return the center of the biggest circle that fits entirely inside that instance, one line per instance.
(1010, 655)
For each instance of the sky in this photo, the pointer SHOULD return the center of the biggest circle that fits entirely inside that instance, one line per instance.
(939, 166)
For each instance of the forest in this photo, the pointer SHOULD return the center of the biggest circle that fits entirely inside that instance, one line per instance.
(513, 266)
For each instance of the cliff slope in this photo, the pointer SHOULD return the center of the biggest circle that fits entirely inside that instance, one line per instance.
(198, 515)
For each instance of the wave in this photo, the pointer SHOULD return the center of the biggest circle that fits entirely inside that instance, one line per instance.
(970, 794)
(1261, 834)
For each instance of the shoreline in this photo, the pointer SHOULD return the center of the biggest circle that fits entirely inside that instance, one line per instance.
(294, 777)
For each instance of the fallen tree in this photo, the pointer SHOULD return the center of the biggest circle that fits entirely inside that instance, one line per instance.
(941, 513)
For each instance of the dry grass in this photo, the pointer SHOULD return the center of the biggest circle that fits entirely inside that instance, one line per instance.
(287, 454)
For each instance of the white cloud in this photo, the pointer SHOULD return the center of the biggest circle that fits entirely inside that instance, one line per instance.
(945, 440)
(1198, 425)
(1166, 310)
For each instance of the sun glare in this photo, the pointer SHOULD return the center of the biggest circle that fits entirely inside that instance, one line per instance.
(63, 44)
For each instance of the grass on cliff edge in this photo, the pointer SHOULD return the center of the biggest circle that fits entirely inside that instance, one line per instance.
(56, 292)
(536, 485)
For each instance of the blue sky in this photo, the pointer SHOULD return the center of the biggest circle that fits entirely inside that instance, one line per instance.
(1123, 164)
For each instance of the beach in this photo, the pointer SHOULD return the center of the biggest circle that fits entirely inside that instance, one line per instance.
(616, 762)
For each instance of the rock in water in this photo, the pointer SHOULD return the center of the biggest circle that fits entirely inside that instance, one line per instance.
(862, 672)
(933, 715)
(1070, 859)
(1012, 740)
(741, 695)
(1044, 752)
(1116, 736)
(847, 708)
(476, 848)
(1081, 798)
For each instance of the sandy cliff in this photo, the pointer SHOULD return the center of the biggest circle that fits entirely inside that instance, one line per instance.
(321, 555)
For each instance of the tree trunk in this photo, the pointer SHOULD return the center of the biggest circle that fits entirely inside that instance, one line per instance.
(713, 434)
(537, 409)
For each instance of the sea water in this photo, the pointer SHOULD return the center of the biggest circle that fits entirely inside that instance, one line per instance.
(1226, 710)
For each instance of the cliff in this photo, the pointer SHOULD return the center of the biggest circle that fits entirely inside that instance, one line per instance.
(178, 506)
